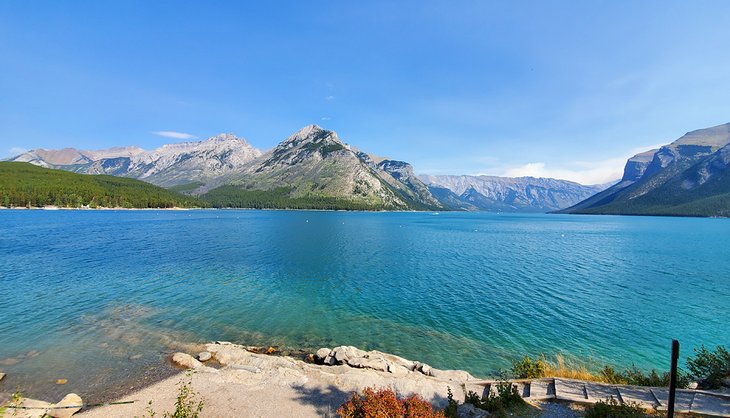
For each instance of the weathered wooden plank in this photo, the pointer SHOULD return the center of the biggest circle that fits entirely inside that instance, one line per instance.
(601, 392)
(570, 390)
(682, 399)
(481, 390)
(640, 395)
(711, 405)
(542, 389)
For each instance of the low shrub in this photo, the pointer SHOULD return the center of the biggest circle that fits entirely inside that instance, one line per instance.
(613, 409)
(505, 397)
(528, 368)
(452, 407)
(187, 404)
(710, 367)
(384, 403)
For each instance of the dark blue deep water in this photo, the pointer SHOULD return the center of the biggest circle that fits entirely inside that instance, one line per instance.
(93, 296)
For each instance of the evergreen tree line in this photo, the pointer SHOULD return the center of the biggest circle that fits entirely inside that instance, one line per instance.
(26, 185)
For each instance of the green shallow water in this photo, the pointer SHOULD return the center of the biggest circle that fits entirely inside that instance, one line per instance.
(85, 291)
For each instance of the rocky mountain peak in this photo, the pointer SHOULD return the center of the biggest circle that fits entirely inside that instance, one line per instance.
(310, 134)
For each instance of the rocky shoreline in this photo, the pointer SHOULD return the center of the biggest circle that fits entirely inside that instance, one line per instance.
(236, 380)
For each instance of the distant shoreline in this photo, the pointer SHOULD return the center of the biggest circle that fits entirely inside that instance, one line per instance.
(53, 208)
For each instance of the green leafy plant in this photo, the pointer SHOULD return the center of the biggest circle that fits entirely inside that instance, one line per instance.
(613, 409)
(506, 396)
(187, 404)
(526, 368)
(710, 367)
(452, 406)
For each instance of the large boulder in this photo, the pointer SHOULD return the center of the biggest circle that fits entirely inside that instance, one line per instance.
(62, 409)
(453, 375)
(322, 354)
(397, 370)
(368, 363)
(346, 352)
(185, 360)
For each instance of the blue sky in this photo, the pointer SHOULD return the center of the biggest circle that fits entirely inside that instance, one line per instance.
(544, 88)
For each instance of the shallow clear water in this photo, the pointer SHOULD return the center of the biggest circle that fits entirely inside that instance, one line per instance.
(85, 291)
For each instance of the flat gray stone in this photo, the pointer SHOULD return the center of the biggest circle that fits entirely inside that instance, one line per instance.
(570, 391)
(641, 395)
(598, 392)
(542, 389)
(682, 399)
(711, 405)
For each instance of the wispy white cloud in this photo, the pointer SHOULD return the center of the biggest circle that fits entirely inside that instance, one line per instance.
(329, 98)
(14, 151)
(326, 118)
(175, 135)
(583, 172)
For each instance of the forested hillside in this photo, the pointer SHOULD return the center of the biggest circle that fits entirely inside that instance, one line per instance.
(24, 184)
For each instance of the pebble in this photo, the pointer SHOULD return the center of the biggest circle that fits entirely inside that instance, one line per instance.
(204, 356)
(61, 381)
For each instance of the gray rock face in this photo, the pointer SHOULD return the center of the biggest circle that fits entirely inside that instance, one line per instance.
(311, 163)
(636, 165)
(314, 162)
(166, 166)
(521, 194)
(384, 362)
(686, 177)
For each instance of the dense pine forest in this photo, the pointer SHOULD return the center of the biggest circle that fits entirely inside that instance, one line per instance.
(27, 185)
(235, 197)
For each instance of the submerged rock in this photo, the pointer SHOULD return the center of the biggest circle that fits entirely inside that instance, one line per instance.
(71, 399)
(185, 360)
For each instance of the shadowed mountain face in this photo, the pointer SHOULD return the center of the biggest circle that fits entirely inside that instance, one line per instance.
(688, 177)
(504, 194)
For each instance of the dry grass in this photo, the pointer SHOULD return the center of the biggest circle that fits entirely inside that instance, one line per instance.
(568, 370)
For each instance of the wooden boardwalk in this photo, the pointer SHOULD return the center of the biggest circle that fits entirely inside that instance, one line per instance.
(686, 401)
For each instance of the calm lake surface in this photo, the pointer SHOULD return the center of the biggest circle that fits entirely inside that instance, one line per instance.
(97, 296)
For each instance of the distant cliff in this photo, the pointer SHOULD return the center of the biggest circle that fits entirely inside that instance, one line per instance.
(688, 177)
(505, 194)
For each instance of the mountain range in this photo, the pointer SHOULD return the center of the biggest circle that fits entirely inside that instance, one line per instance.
(313, 168)
(688, 177)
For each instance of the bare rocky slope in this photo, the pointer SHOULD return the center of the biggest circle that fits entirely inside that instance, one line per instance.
(688, 177)
(505, 194)
(313, 168)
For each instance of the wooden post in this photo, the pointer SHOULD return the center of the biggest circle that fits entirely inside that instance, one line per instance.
(673, 379)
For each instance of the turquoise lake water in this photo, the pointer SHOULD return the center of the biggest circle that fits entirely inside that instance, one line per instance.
(97, 296)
